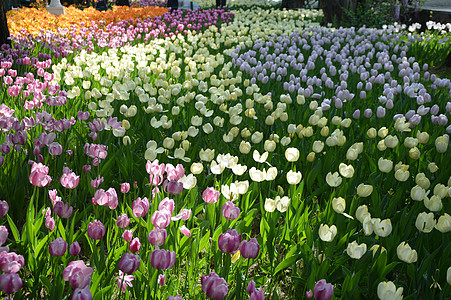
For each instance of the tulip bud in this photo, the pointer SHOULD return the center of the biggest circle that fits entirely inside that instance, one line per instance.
(230, 211)
(162, 259)
(326, 233)
(229, 242)
(406, 254)
(444, 223)
(387, 290)
(129, 263)
(339, 205)
(10, 283)
(58, 247)
(74, 249)
(323, 290)
(214, 286)
(249, 249)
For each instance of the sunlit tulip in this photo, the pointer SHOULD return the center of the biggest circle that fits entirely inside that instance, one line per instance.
(334, 179)
(229, 241)
(294, 177)
(406, 254)
(381, 145)
(257, 175)
(210, 195)
(376, 247)
(346, 171)
(355, 250)
(196, 168)
(402, 175)
(10, 283)
(326, 233)
(422, 181)
(282, 203)
(270, 205)
(362, 213)
(440, 190)
(271, 174)
(367, 225)
(249, 249)
(423, 137)
(444, 223)
(382, 228)
(441, 143)
(385, 165)
(391, 141)
(364, 190)
(371, 133)
(339, 205)
(259, 158)
(434, 203)
(257, 137)
(292, 154)
(214, 287)
(425, 222)
(58, 247)
(386, 290)
(207, 155)
(239, 169)
(318, 146)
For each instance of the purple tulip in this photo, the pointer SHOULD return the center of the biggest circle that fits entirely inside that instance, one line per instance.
(230, 211)
(162, 259)
(123, 221)
(10, 283)
(58, 247)
(157, 237)
(63, 210)
(229, 241)
(356, 114)
(96, 230)
(82, 294)
(4, 208)
(129, 263)
(214, 286)
(74, 249)
(323, 290)
(249, 249)
(3, 234)
(78, 274)
(210, 195)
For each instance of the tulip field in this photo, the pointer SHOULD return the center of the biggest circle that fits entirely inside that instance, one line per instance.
(223, 154)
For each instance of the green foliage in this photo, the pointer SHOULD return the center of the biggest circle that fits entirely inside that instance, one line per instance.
(369, 13)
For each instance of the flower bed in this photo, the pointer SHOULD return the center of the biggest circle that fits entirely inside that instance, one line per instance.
(259, 156)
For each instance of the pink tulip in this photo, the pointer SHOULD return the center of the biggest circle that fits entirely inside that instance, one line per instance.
(127, 235)
(74, 249)
(55, 149)
(309, 294)
(3, 234)
(210, 195)
(134, 245)
(38, 175)
(106, 198)
(54, 197)
(125, 187)
(69, 179)
(4, 208)
(63, 210)
(11, 262)
(230, 211)
(96, 182)
(123, 221)
(323, 290)
(78, 274)
(161, 219)
(10, 283)
(140, 207)
(162, 259)
(129, 263)
(157, 237)
(167, 204)
(184, 215)
(50, 223)
(96, 230)
(161, 279)
(127, 281)
(185, 231)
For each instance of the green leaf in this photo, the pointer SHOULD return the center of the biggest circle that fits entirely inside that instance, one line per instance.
(286, 263)
(13, 228)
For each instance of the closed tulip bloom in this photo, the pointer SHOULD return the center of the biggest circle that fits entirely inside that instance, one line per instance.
(422, 181)
(339, 205)
(294, 177)
(386, 290)
(385, 165)
(96, 230)
(4, 208)
(129, 263)
(318, 146)
(391, 141)
(346, 171)
(125, 187)
(162, 259)
(38, 176)
(425, 222)
(364, 190)
(230, 211)
(434, 203)
(122, 221)
(10, 283)
(210, 195)
(382, 228)
(432, 167)
(58, 247)
(127, 235)
(402, 175)
(63, 210)
(140, 207)
(417, 193)
(441, 143)
(292, 154)
(444, 223)
(161, 219)
(362, 213)
(74, 249)
(134, 245)
(214, 287)
(229, 241)
(167, 204)
(157, 237)
(69, 179)
(249, 249)
(355, 250)
(11, 262)
(3, 234)
(82, 294)
(406, 254)
(251, 287)
(334, 179)
(326, 233)
(323, 290)
(367, 225)
(440, 190)
(245, 147)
